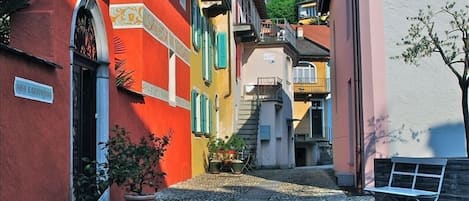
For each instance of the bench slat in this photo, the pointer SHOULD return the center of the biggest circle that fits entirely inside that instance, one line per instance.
(425, 161)
(418, 174)
(402, 191)
(412, 192)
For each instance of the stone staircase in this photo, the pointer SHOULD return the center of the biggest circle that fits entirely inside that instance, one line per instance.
(248, 123)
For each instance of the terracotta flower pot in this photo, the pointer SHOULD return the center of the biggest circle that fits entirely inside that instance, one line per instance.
(129, 197)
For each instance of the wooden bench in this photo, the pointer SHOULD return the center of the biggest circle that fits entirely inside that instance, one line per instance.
(416, 172)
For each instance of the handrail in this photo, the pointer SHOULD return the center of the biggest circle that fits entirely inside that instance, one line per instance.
(248, 14)
(277, 29)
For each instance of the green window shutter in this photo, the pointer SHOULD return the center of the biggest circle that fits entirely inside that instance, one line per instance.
(195, 24)
(203, 112)
(210, 52)
(194, 110)
(222, 51)
(209, 130)
(205, 52)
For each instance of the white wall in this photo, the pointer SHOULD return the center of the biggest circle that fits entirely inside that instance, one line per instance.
(272, 62)
(425, 117)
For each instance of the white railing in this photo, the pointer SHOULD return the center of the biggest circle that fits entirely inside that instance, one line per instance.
(277, 29)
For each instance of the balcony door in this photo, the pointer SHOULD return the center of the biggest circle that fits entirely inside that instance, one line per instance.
(316, 119)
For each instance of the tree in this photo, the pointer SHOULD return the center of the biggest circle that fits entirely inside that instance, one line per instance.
(452, 45)
(7, 7)
(282, 9)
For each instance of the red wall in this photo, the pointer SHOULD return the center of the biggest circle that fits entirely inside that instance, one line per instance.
(35, 137)
(149, 59)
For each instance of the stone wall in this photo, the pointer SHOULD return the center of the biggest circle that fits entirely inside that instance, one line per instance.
(455, 182)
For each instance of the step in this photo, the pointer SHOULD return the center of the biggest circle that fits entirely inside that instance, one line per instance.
(248, 126)
(247, 131)
(248, 107)
(248, 121)
(255, 112)
(247, 137)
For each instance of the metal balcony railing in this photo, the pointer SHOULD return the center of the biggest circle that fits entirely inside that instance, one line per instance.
(277, 29)
(248, 14)
(311, 85)
(269, 88)
(306, 137)
(269, 81)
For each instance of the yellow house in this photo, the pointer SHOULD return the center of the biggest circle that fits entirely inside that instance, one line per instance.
(311, 78)
(211, 97)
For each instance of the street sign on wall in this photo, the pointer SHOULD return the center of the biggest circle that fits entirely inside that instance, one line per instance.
(32, 90)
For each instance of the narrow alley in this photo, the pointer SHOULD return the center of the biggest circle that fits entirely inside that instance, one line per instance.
(298, 184)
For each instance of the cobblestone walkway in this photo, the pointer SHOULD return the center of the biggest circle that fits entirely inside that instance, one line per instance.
(299, 184)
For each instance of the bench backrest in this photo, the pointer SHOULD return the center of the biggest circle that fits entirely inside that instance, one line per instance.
(416, 171)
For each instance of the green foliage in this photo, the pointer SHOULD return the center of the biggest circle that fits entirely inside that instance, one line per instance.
(215, 144)
(7, 7)
(132, 165)
(129, 165)
(236, 143)
(425, 37)
(282, 9)
(90, 185)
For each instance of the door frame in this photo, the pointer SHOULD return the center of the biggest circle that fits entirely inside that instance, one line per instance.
(311, 108)
(102, 85)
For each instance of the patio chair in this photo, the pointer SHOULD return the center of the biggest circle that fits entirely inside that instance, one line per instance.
(248, 166)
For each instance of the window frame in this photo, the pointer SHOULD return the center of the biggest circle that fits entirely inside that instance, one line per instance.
(309, 68)
(196, 24)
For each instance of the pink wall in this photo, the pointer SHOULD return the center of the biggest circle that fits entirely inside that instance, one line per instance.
(374, 84)
(345, 118)
(342, 73)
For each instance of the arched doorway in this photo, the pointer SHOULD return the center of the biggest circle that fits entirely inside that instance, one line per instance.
(89, 87)
(84, 91)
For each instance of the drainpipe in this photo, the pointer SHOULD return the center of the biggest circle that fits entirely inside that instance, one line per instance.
(358, 92)
(229, 53)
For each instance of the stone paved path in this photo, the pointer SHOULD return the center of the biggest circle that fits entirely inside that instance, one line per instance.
(299, 184)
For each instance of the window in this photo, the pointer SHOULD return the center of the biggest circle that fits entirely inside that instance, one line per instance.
(305, 72)
(172, 78)
(196, 25)
(207, 46)
(201, 113)
(195, 111)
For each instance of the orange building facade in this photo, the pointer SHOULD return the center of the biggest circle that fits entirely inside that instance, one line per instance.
(73, 70)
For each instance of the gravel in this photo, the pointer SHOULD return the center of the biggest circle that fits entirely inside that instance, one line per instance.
(298, 184)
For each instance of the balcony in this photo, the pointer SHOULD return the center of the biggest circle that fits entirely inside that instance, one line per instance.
(248, 25)
(318, 137)
(266, 89)
(308, 86)
(277, 30)
(213, 8)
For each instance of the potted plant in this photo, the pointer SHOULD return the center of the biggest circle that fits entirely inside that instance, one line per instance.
(133, 165)
(236, 144)
(215, 159)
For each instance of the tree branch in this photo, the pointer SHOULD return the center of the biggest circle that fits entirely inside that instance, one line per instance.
(436, 42)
